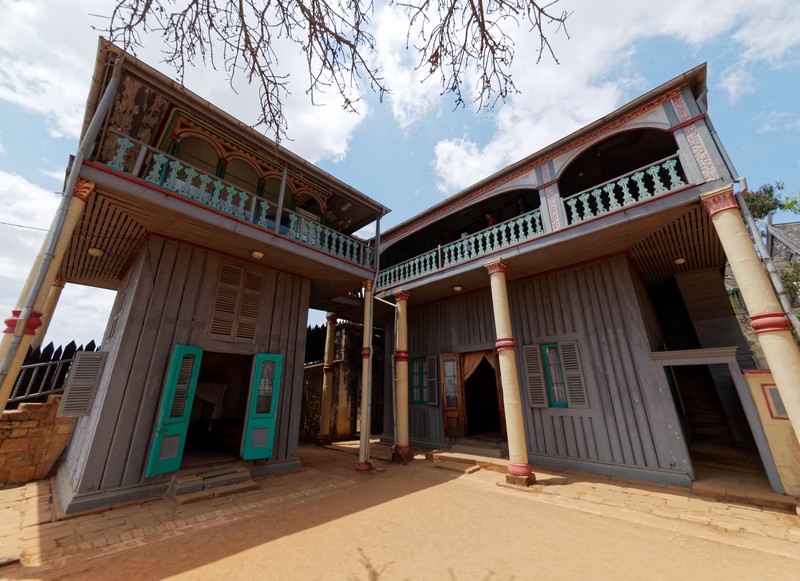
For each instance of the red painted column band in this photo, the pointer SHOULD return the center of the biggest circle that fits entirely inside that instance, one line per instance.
(519, 469)
(769, 322)
(327, 368)
(33, 323)
(505, 344)
(401, 355)
(365, 353)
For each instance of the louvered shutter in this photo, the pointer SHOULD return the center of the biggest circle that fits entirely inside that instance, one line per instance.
(573, 375)
(535, 376)
(431, 383)
(223, 315)
(81, 385)
(248, 306)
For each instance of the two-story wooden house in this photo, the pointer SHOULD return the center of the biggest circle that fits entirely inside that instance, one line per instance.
(610, 310)
(217, 241)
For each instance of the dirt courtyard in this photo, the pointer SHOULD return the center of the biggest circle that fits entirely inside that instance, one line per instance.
(328, 521)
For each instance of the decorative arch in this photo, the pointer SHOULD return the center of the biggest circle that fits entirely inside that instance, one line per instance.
(242, 173)
(198, 151)
(614, 156)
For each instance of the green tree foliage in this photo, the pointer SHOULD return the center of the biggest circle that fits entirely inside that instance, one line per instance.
(790, 275)
(770, 198)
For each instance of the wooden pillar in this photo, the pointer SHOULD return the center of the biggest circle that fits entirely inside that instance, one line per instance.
(324, 435)
(83, 189)
(519, 471)
(402, 451)
(768, 320)
(49, 308)
(364, 464)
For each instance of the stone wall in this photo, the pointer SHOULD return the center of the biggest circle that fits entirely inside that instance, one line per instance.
(32, 439)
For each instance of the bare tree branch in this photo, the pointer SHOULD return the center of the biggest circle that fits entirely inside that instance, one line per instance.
(454, 38)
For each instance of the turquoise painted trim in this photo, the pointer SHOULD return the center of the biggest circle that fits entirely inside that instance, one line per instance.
(551, 397)
(417, 376)
(260, 422)
(167, 425)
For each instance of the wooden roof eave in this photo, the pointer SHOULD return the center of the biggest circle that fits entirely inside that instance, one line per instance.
(184, 98)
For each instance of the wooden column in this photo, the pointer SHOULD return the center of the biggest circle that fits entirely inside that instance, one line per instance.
(324, 435)
(768, 320)
(519, 471)
(83, 189)
(402, 451)
(49, 308)
(364, 464)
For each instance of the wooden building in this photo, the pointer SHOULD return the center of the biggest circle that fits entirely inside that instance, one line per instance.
(625, 347)
(217, 241)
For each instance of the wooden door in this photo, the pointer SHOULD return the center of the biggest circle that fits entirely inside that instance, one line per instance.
(176, 408)
(453, 404)
(262, 407)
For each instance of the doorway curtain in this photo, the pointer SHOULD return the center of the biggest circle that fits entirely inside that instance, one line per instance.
(471, 360)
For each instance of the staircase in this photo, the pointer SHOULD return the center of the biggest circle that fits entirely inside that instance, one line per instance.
(209, 482)
(704, 413)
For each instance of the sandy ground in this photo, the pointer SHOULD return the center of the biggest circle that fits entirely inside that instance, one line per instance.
(419, 522)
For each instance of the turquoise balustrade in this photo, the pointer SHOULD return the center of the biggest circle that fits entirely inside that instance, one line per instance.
(647, 182)
(509, 233)
(174, 175)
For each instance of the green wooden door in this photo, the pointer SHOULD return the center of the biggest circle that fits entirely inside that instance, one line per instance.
(262, 406)
(176, 407)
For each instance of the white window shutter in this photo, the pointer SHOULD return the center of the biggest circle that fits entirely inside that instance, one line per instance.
(81, 385)
(535, 376)
(573, 375)
(431, 383)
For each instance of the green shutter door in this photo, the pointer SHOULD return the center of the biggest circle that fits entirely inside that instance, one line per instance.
(262, 405)
(176, 407)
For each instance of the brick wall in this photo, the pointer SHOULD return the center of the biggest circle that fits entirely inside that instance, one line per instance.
(31, 440)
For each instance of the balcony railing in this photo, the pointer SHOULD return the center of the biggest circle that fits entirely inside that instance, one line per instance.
(176, 176)
(636, 186)
(648, 182)
(509, 233)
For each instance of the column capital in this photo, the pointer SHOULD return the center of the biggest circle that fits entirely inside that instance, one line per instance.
(83, 189)
(719, 201)
(59, 281)
(331, 318)
(495, 266)
(401, 295)
(367, 284)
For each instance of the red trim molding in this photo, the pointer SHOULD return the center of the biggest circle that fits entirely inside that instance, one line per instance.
(687, 122)
(34, 322)
(327, 368)
(719, 202)
(401, 355)
(495, 267)
(505, 344)
(365, 352)
(769, 322)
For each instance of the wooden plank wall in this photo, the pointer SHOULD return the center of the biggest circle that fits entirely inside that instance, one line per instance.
(171, 295)
(632, 418)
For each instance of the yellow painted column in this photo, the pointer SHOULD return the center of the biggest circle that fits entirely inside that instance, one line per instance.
(364, 464)
(83, 189)
(768, 320)
(518, 468)
(324, 435)
(402, 451)
(49, 308)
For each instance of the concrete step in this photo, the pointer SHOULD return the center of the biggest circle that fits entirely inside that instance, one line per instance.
(461, 467)
(486, 451)
(218, 492)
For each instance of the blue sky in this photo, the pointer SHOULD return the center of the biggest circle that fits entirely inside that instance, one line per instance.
(412, 150)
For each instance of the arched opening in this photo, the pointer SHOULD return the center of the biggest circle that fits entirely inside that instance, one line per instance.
(242, 174)
(616, 156)
(308, 206)
(198, 153)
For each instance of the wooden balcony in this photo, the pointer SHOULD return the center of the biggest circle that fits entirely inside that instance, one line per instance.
(594, 205)
(161, 170)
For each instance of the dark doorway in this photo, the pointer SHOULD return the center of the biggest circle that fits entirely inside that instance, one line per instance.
(218, 409)
(483, 409)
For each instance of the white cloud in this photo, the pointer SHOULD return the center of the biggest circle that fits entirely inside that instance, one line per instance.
(595, 75)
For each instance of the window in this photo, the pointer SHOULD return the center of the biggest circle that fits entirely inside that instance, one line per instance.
(424, 388)
(554, 375)
(236, 304)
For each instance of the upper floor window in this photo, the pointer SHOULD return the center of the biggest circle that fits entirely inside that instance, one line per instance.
(198, 153)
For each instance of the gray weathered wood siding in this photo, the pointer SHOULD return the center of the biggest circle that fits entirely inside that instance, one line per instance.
(631, 419)
(168, 302)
